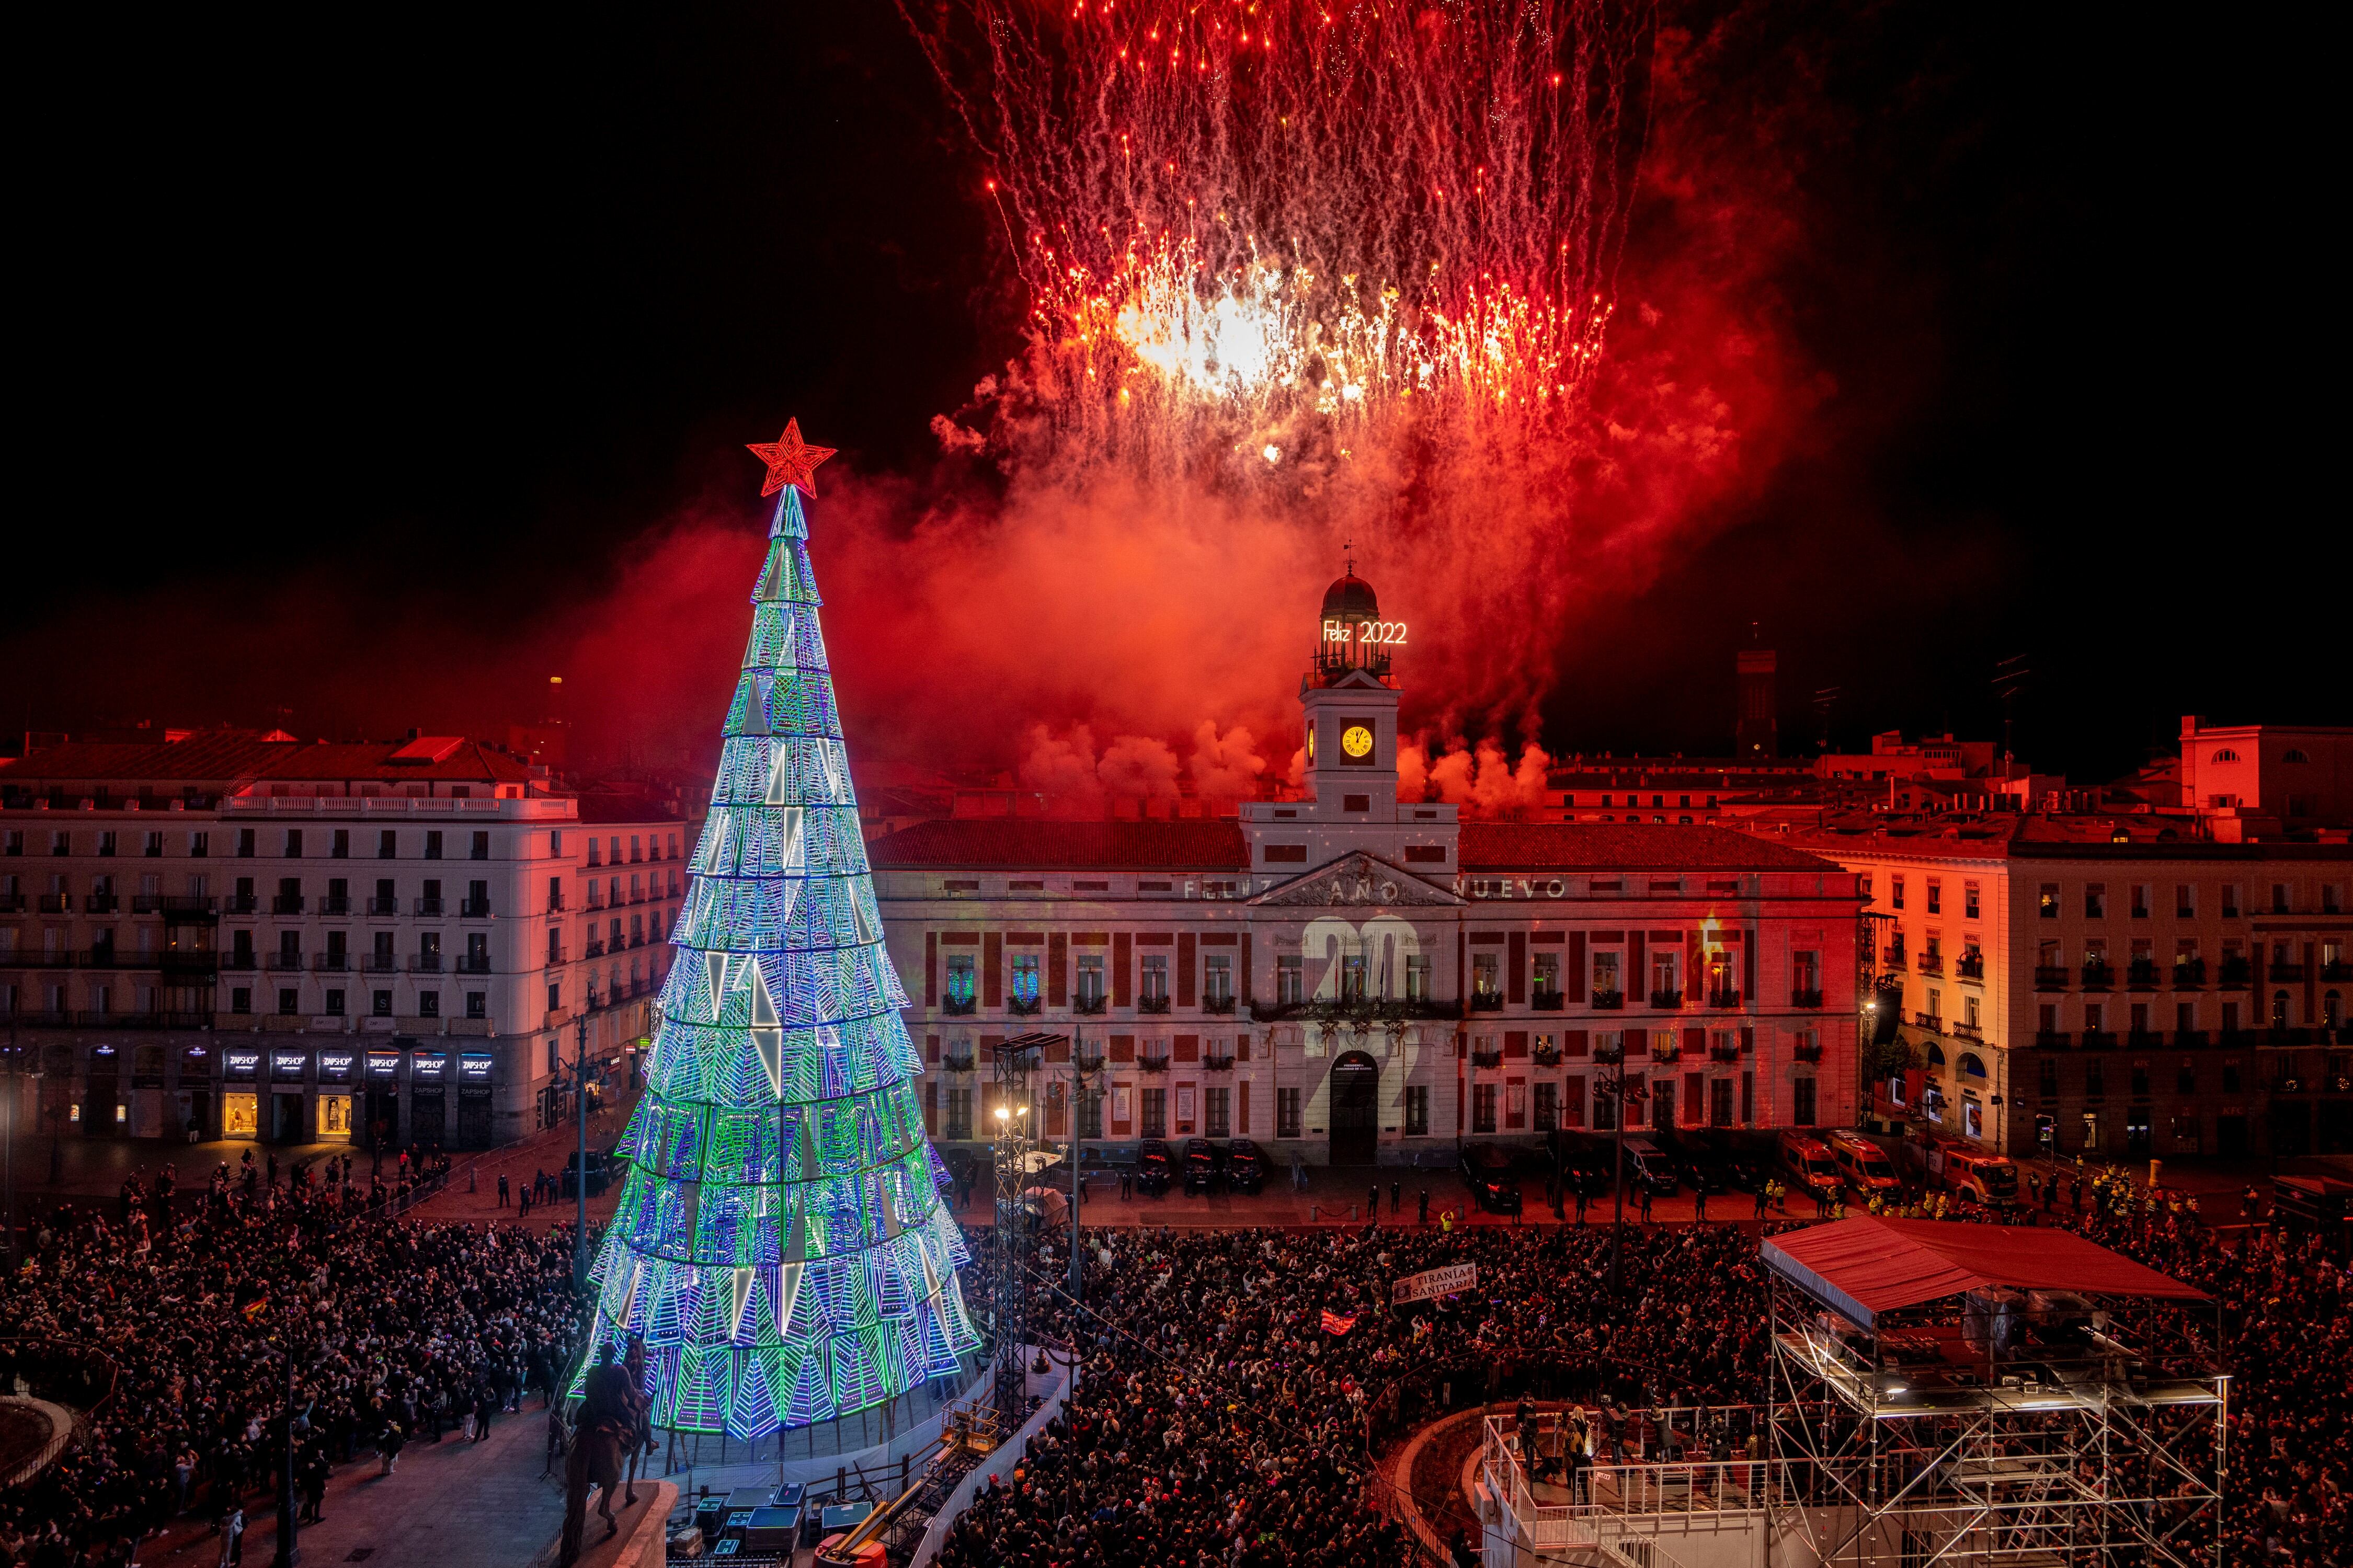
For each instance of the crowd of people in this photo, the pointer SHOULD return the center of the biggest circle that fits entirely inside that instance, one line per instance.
(165, 1321)
(1220, 1418)
(1235, 1387)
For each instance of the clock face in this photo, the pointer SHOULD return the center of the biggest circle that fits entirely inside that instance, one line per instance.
(1356, 741)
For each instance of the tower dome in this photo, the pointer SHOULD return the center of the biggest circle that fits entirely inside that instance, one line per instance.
(1351, 598)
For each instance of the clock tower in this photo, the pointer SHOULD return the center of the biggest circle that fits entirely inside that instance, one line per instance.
(1349, 695)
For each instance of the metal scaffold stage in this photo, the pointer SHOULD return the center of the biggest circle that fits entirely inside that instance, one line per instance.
(1937, 1394)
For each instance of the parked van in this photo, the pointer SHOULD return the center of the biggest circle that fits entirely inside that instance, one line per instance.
(1863, 1166)
(1807, 1164)
(1647, 1165)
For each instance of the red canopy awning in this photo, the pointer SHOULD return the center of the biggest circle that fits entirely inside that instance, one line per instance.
(1867, 1265)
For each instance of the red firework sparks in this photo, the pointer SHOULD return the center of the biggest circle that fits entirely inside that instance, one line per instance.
(1265, 229)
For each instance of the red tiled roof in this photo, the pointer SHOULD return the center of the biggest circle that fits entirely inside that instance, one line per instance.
(207, 754)
(1015, 844)
(1630, 846)
(227, 755)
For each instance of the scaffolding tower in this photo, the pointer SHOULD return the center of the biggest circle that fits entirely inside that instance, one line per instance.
(1013, 1114)
(2078, 1422)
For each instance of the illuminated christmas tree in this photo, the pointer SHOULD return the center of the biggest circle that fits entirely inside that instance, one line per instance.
(781, 1243)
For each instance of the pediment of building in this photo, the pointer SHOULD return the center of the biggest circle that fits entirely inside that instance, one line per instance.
(1357, 880)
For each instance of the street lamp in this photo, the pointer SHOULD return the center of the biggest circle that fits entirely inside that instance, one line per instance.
(580, 1171)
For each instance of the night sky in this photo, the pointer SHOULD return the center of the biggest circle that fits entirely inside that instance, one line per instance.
(376, 364)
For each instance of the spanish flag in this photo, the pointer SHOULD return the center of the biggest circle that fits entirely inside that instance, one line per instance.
(255, 1308)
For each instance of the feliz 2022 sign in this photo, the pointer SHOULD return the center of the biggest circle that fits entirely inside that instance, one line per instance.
(1388, 633)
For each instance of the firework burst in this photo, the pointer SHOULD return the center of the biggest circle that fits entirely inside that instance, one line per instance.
(1282, 231)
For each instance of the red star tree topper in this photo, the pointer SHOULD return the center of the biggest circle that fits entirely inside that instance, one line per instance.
(791, 460)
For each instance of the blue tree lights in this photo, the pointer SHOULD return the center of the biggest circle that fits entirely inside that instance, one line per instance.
(780, 1243)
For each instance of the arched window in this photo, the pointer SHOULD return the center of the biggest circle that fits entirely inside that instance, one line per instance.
(2295, 754)
(1935, 1055)
(2226, 755)
(1972, 1064)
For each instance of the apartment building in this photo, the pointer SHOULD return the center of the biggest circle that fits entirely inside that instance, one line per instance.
(1358, 978)
(2112, 985)
(256, 936)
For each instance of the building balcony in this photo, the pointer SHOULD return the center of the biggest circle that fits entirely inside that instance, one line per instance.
(474, 909)
(1218, 1064)
(2237, 973)
(2098, 977)
(1486, 1058)
(957, 1063)
(1727, 1055)
(2099, 1039)
(1152, 1064)
(2283, 974)
(1965, 1030)
(1608, 1000)
(557, 958)
(1219, 1004)
(473, 963)
(1891, 957)
(2141, 974)
(2287, 1036)
(424, 963)
(429, 906)
(384, 906)
(2144, 1039)
(381, 963)
(1546, 1056)
(596, 901)
(101, 904)
(594, 948)
(1932, 1021)
(240, 962)
(953, 1006)
(125, 1021)
(2189, 1040)
(287, 903)
(334, 906)
(637, 939)
(1807, 999)
(1970, 966)
(2189, 973)
(1666, 999)
(1486, 1001)
(56, 903)
(332, 962)
(1806, 1051)
(1024, 1006)
(287, 963)
(1724, 999)
(1087, 1007)
(2051, 1039)
(2334, 973)
(1546, 1000)
(1151, 1005)
(2051, 976)
(1929, 964)
(190, 960)
(2236, 1039)
(241, 904)
(12, 903)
